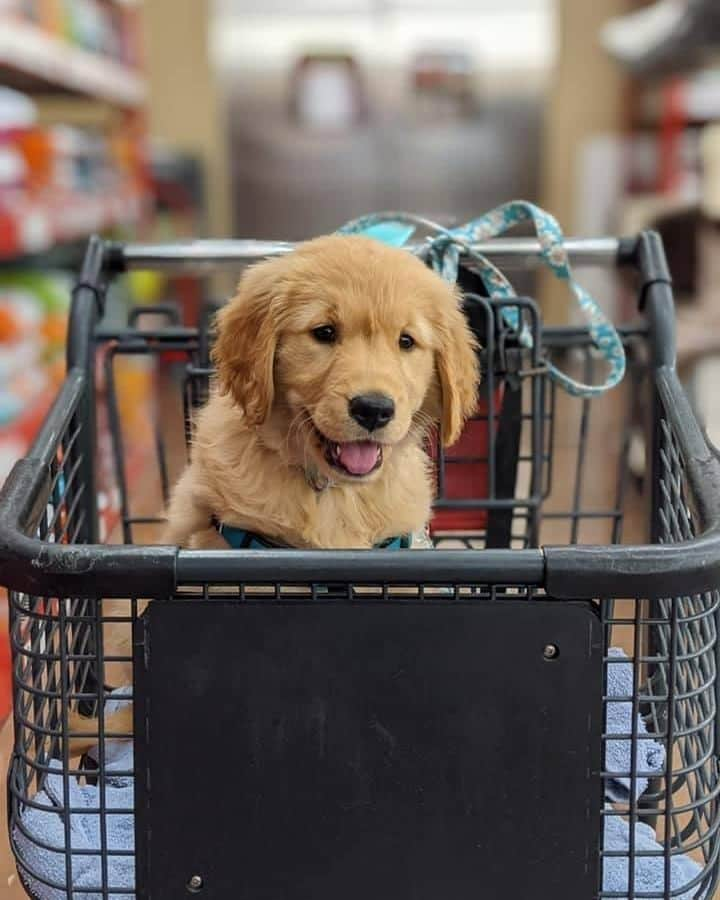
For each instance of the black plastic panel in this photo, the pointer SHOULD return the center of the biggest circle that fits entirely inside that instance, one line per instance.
(369, 751)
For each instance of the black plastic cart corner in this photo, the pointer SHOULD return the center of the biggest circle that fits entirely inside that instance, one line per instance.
(429, 724)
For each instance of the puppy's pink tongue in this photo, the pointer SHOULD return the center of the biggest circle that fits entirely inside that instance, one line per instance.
(359, 457)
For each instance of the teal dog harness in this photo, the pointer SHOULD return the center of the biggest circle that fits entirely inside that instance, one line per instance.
(242, 539)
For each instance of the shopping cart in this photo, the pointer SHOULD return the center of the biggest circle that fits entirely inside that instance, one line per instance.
(531, 716)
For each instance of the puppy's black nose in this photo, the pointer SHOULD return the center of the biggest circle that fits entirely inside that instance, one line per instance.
(372, 410)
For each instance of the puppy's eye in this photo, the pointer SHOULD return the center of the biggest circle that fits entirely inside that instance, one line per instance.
(406, 342)
(325, 334)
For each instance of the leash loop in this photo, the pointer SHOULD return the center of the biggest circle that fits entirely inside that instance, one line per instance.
(444, 248)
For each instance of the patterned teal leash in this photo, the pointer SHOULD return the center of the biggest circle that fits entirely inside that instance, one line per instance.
(445, 247)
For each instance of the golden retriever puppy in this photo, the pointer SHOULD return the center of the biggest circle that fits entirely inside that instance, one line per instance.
(332, 364)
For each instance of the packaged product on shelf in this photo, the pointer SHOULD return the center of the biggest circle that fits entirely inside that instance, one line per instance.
(30, 9)
(22, 380)
(92, 25)
(33, 321)
(18, 117)
(17, 110)
(62, 183)
(53, 16)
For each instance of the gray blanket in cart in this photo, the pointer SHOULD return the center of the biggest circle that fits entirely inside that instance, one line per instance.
(42, 826)
(43, 831)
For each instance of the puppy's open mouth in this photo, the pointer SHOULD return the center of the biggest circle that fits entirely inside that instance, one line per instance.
(354, 458)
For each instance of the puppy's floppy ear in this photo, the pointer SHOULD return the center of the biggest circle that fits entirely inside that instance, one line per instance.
(458, 369)
(246, 338)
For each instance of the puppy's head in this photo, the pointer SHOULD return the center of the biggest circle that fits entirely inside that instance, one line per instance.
(347, 348)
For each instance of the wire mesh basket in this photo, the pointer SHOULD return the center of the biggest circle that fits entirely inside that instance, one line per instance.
(527, 710)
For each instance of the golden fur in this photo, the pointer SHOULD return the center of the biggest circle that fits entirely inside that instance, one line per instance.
(255, 439)
(257, 457)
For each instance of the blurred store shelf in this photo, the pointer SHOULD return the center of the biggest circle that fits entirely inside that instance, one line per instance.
(33, 226)
(16, 439)
(33, 59)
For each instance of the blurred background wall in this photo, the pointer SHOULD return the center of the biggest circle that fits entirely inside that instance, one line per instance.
(444, 113)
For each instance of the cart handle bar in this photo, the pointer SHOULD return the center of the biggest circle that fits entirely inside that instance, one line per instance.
(517, 253)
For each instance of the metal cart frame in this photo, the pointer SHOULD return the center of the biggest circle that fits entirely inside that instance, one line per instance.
(666, 592)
